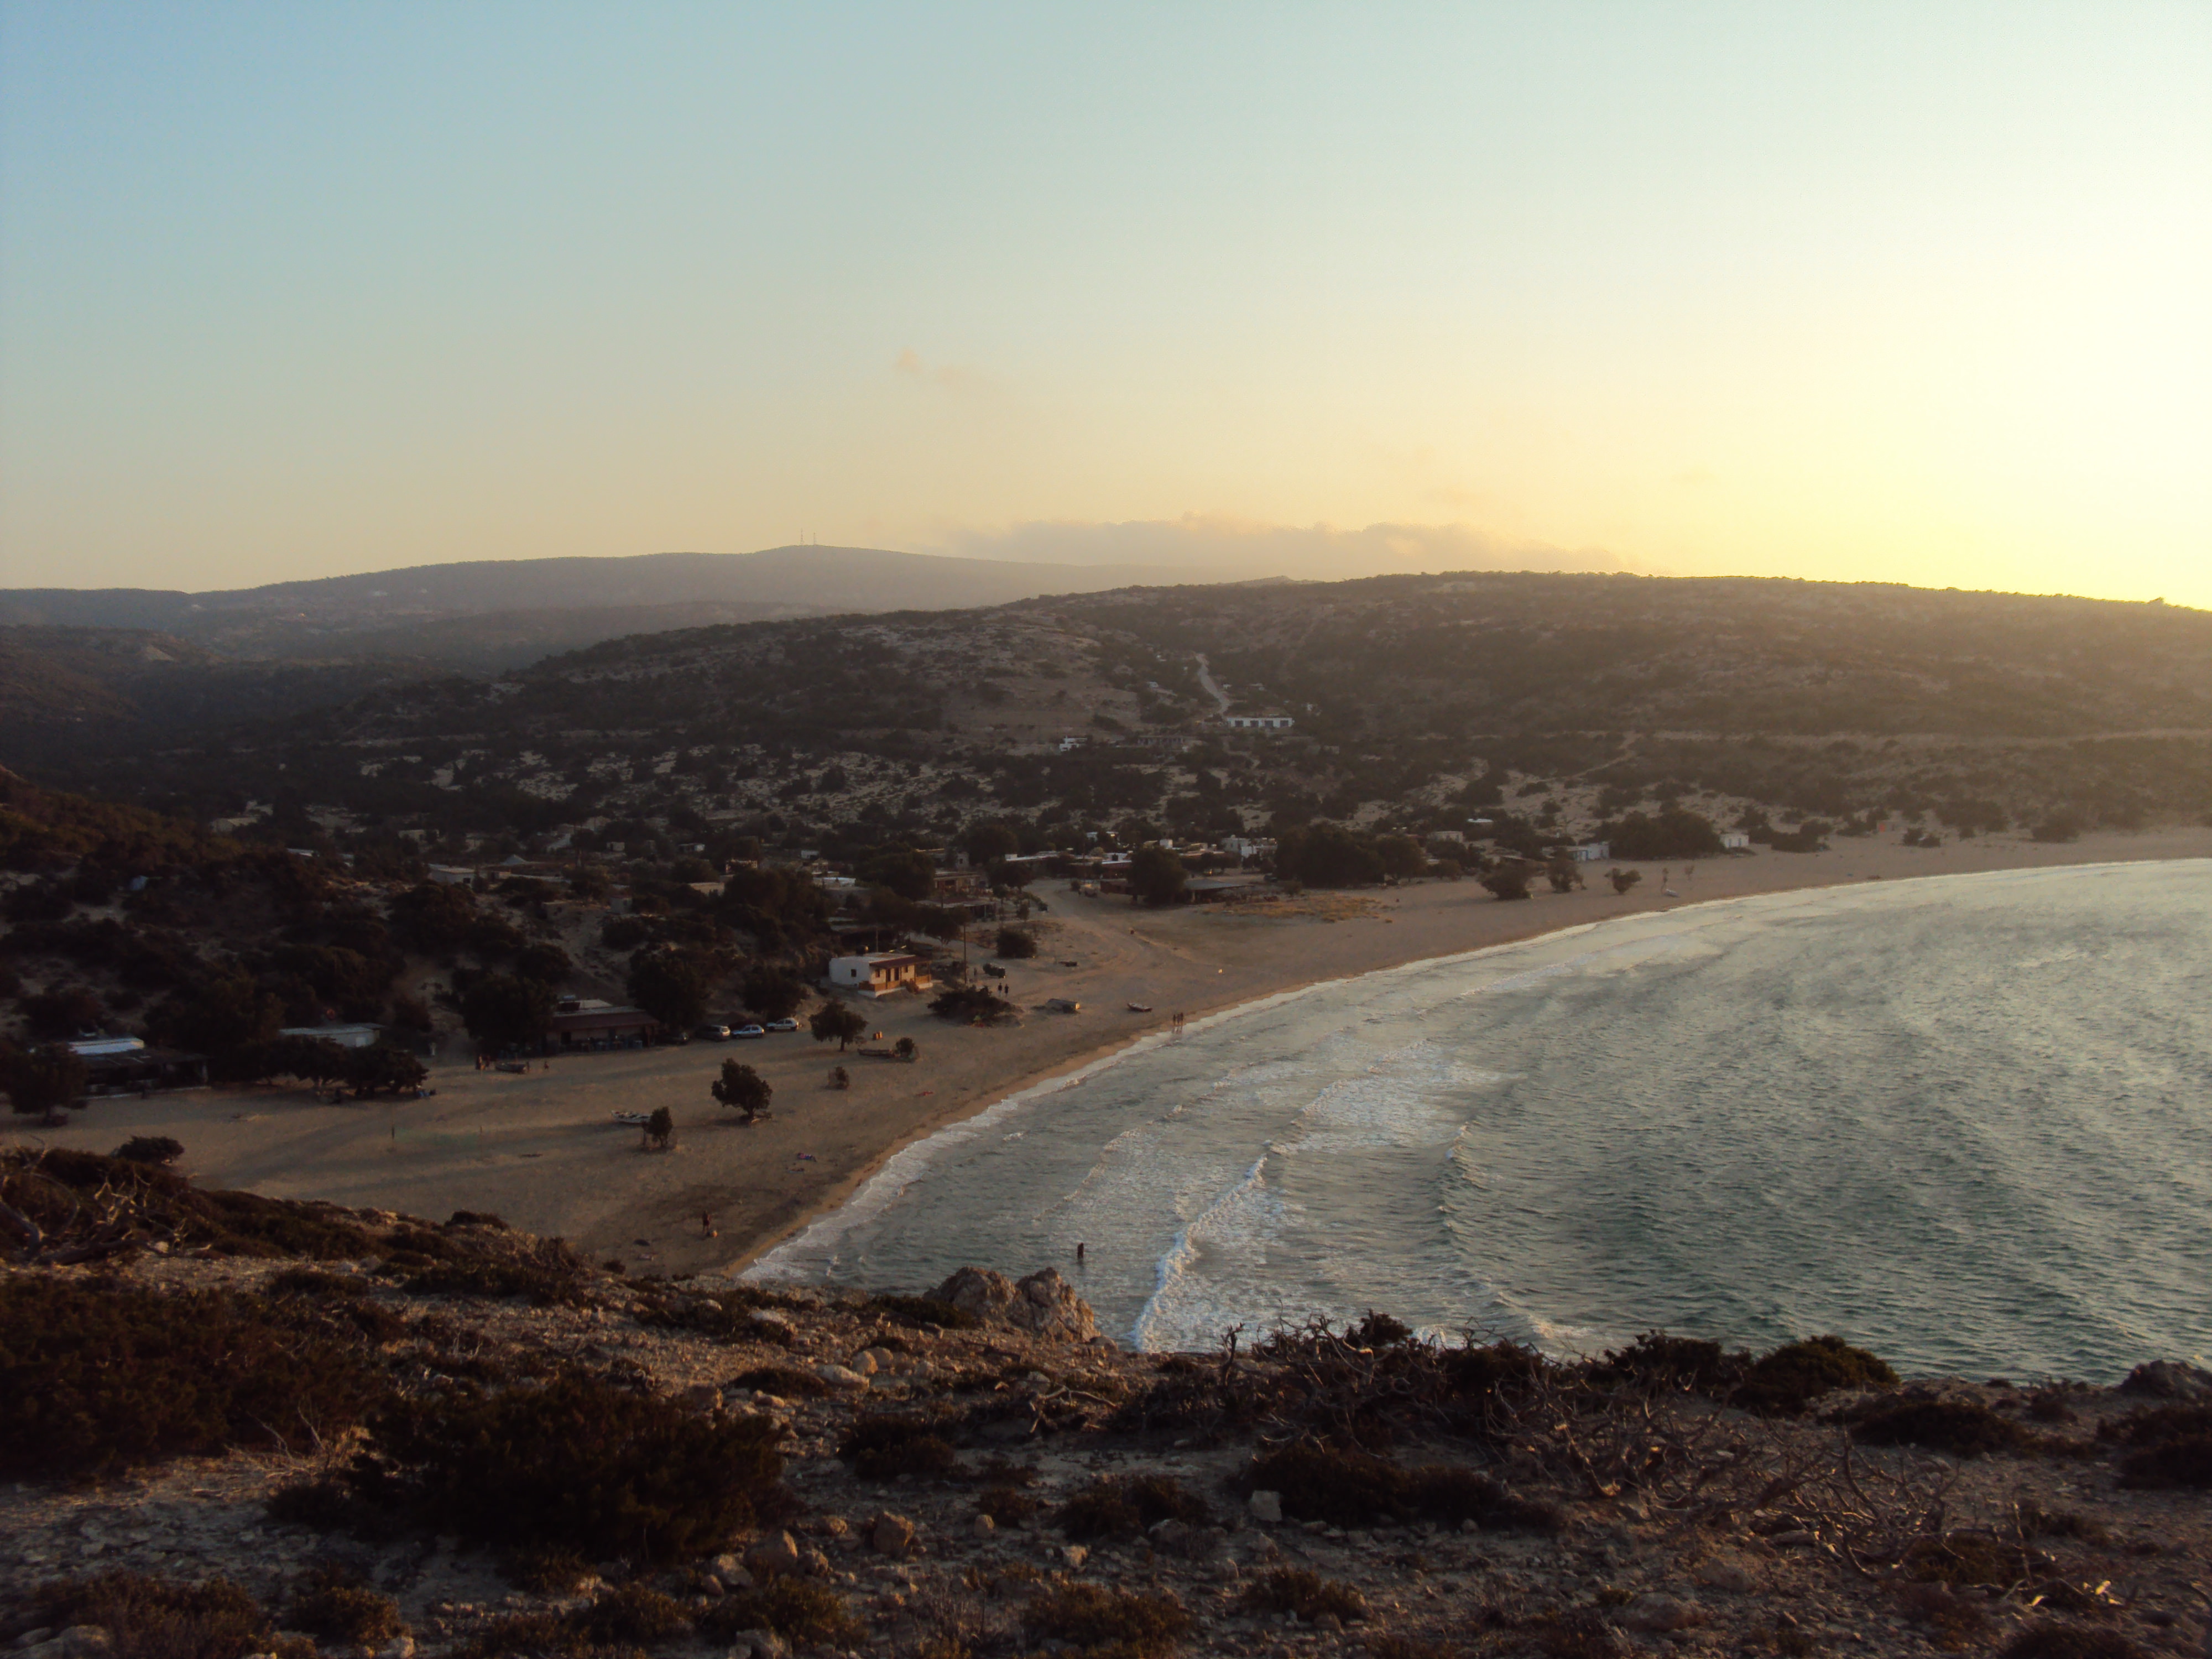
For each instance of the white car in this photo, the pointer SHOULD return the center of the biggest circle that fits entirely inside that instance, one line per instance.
(783, 1025)
(748, 1031)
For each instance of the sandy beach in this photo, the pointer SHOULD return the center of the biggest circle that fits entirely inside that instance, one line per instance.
(541, 1150)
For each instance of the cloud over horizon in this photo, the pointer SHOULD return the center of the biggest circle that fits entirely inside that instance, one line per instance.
(1216, 543)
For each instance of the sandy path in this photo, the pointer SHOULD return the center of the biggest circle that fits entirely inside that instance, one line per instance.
(541, 1150)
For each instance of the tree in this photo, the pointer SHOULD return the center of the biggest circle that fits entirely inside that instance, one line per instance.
(1509, 883)
(1015, 943)
(969, 1004)
(1675, 833)
(672, 986)
(742, 1089)
(840, 1077)
(911, 874)
(316, 1061)
(58, 1015)
(1622, 880)
(159, 1150)
(548, 965)
(1564, 875)
(773, 993)
(1401, 856)
(836, 1022)
(1157, 876)
(1327, 855)
(381, 1068)
(907, 1049)
(660, 1129)
(987, 843)
(502, 1011)
(2059, 826)
(44, 1081)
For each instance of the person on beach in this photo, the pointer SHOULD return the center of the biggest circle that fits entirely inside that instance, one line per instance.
(1078, 1255)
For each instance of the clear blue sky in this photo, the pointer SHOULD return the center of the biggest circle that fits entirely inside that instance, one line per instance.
(1908, 292)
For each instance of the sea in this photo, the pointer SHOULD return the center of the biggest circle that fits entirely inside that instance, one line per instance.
(1963, 1121)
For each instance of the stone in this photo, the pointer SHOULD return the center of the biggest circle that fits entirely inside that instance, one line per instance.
(1328, 1621)
(732, 1573)
(834, 1525)
(2169, 1379)
(863, 1363)
(1075, 1555)
(892, 1534)
(1659, 1612)
(1265, 1507)
(879, 1358)
(702, 1396)
(1043, 1304)
(399, 1647)
(841, 1376)
(86, 1642)
(758, 1645)
(1730, 1576)
(985, 1526)
(816, 1564)
(775, 1553)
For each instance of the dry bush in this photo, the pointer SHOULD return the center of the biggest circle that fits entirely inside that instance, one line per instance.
(633, 1614)
(1092, 1616)
(1964, 1428)
(2172, 1446)
(577, 1464)
(793, 1609)
(1955, 1622)
(1581, 1633)
(546, 1569)
(1130, 1503)
(2036, 1521)
(921, 1313)
(1006, 1505)
(1307, 1593)
(336, 1606)
(2055, 1640)
(157, 1617)
(1357, 1489)
(1784, 1383)
(1657, 1360)
(788, 1381)
(107, 1375)
(1973, 1559)
(887, 1445)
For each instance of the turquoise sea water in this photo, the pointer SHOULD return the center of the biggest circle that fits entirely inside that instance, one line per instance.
(1965, 1120)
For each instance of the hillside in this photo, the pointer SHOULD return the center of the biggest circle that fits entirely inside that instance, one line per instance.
(1419, 703)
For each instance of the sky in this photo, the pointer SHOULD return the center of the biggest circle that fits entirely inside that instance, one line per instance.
(1916, 292)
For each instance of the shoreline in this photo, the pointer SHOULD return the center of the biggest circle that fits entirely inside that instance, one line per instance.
(540, 1150)
(756, 1264)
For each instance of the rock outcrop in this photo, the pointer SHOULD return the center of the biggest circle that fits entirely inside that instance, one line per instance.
(1041, 1305)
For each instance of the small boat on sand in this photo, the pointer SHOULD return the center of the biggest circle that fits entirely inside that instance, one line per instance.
(633, 1120)
(1140, 1007)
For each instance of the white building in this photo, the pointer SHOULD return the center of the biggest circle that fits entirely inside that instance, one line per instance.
(1734, 840)
(346, 1037)
(1591, 851)
(1258, 722)
(880, 975)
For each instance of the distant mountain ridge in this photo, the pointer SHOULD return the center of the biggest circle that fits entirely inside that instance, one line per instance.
(488, 615)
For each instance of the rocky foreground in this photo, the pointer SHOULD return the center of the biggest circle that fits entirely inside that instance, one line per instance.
(236, 1427)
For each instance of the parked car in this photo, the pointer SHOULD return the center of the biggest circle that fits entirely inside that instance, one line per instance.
(749, 1031)
(711, 1032)
(783, 1025)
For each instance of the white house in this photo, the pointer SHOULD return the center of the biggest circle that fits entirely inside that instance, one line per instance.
(1258, 722)
(346, 1037)
(880, 975)
(1734, 840)
(1591, 852)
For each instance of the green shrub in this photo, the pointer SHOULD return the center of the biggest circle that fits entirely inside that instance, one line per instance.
(156, 1617)
(1132, 1503)
(1295, 1589)
(103, 1376)
(1656, 1360)
(150, 1149)
(1006, 1505)
(579, 1464)
(1784, 1383)
(1092, 1616)
(1965, 1428)
(793, 1609)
